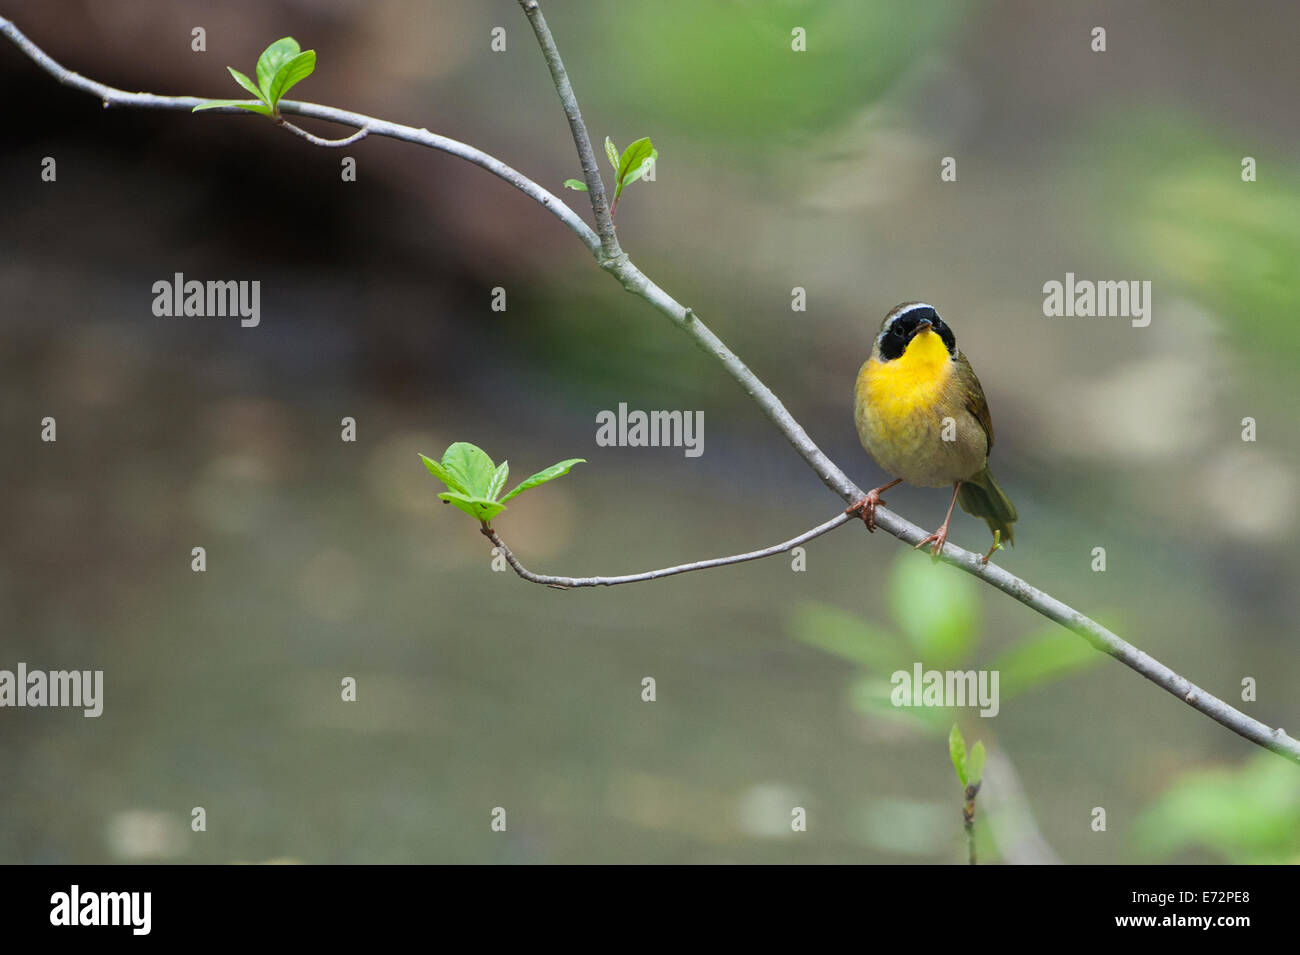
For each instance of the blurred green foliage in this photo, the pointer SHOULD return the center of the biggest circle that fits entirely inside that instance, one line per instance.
(1042, 657)
(596, 341)
(1249, 815)
(728, 70)
(1176, 203)
(937, 614)
(937, 608)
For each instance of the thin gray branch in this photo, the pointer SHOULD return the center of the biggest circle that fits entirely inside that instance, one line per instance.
(564, 583)
(586, 155)
(315, 140)
(636, 282)
(968, 822)
(112, 97)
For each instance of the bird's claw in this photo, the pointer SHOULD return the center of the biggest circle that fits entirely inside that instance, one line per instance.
(938, 538)
(866, 509)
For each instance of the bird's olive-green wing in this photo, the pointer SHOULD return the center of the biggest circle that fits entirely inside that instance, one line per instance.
(973, 397)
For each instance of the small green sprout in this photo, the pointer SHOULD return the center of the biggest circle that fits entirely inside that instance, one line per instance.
(634, 163)
(280, 67)
(970, 773)
(474, 483)
(970, 770)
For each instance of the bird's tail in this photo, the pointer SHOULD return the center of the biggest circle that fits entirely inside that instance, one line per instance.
(981, 497)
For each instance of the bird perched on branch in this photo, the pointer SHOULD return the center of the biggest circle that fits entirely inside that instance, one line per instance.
(921, 414)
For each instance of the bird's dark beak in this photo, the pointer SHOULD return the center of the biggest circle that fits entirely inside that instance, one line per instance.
(923, 325)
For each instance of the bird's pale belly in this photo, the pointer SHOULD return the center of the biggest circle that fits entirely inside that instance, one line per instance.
(905, 434)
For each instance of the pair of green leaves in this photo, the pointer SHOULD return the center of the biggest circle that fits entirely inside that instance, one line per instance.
(634, 163)
(475, 483)
(970, 769)
(281, 66)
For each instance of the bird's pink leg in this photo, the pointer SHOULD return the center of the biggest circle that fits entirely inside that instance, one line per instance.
(940, 537)
(866, 508)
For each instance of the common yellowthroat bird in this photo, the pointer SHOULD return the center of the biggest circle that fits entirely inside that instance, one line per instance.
(921, 414)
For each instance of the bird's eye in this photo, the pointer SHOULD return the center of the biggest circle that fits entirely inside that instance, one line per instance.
(896, 331)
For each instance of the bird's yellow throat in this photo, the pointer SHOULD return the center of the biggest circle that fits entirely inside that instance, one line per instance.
(914, 379)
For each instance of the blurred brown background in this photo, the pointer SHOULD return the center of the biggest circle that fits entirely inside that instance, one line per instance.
(777, 169)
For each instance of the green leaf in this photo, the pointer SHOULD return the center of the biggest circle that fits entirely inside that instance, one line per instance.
(471, 468)
(847, 636)
(253, 105)
(499, 479)
(938, 608)
(541, 477)
(957, 751)
(646, 165)
(273, 57)
(245, 82)
(1042, 658)
(1248, 814)
(442, 474)
(612, 152)
(975, 765)
(634, 156)
(632, 159)
(292, 73)
(872, 696)
(477, 507)
(575, 184)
